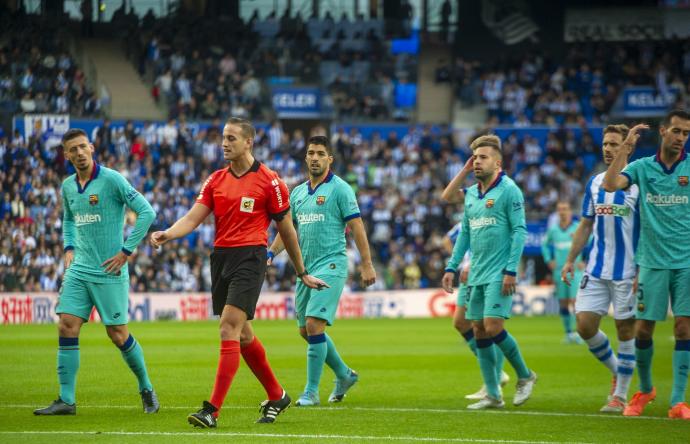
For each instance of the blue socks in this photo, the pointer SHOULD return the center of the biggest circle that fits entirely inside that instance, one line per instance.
(134, 357)
(67, 367)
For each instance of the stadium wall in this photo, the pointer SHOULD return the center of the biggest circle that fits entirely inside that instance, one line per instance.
(39, 308)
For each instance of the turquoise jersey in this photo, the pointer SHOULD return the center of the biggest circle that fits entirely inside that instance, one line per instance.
(494, 228)
(320, 216)
(664, 203)
(556, 244)
(93, 222)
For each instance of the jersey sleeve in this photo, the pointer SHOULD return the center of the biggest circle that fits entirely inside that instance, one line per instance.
(462, 244)
(137, 203)
(518, 227)
(588, 202)
(546, 251)
(278, 204)
(205, 196)
(632, 172)
(68, 228)
(347, 203)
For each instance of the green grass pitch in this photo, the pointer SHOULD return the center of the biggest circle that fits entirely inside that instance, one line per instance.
(414, 374)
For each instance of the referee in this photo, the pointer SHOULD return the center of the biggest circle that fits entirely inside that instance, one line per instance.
(243, 198)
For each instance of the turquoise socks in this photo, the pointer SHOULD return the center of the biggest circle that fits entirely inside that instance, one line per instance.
(67, 367)
(334, 361)
(133, 355)
(486, 354)
(644, 350)
(316, 357)
(506, 342)
(681, 363)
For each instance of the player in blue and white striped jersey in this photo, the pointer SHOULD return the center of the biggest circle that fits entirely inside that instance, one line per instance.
(613, 219)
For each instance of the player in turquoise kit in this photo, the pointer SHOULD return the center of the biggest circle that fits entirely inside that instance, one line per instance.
(494, 230)
(554, 249)
(663, 253)
(94, 201)
(322, 208)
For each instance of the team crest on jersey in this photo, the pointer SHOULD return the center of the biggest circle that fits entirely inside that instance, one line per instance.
(320, 200)
(490, 203)
(683, 181)
(93, 199)
(247, 205)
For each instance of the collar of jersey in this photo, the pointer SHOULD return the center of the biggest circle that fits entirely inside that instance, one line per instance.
(94, 174)
(682, 157)
(328, 178)
(252, 169)
(492, 186)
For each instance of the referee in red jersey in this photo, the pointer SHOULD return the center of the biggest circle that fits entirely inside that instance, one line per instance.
(243, 198)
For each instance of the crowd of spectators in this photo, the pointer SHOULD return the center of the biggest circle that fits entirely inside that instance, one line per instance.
(38, 74)
(398, 182)
(203, 69)
(537, 89)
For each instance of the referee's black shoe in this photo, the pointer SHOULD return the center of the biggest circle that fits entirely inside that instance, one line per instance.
(58, 407)
(204, 417)
(271, 409)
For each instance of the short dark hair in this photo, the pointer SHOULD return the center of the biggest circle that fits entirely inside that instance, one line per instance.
(73, 133)
(245, 125)
(323, 141)
(681, 113)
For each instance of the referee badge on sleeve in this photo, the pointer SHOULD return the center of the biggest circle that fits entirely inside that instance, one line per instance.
(247, 205)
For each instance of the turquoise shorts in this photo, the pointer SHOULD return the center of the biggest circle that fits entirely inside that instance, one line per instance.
(486, 301)
(657, 287)
(562, 291)
(321, 304)
(463, 296)
(78, 297)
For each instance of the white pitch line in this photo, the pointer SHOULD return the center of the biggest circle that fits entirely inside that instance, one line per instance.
(287, 435)
(384, 410)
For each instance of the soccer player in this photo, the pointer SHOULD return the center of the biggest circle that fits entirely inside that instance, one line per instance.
(494, 230)
(613, 219)
(554, 249)
(243, 198)
(454, 193)
(323, 207)
(94, 201)
(663, 252)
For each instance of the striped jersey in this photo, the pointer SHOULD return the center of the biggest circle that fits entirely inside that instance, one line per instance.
(616, 229)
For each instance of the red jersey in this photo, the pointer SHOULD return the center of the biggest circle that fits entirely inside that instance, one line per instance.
(243, 206)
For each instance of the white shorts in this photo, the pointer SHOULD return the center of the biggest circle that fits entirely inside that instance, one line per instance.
(596, 295)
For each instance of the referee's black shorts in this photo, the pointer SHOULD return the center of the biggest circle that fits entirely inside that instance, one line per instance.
(237, 275)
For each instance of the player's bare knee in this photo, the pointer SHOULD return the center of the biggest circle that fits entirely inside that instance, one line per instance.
(246, 338)
(118, 334)
(644, 330)
(681, 329)
(303, 333)
(315, 326)
(586, 328)
(68, 327)
(625, 329)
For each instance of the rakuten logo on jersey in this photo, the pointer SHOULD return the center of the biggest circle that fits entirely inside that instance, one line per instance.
(481, 222)
(661, 200)
(304, 219)
(612, 210)
(86, 219)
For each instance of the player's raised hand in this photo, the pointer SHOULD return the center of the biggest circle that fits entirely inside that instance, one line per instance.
(567, 273)
(469, 164)
(314, 282)
(509, 282)
(447, 281)
(115, 263)
(634, 136)
(368, 274)
(69, 257)
(158, 238)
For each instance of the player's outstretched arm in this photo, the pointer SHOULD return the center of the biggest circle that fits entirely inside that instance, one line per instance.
(360, 235)
(187, 223)
(580, 239)
(453, 192)
(613, 179)
(289, 236)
